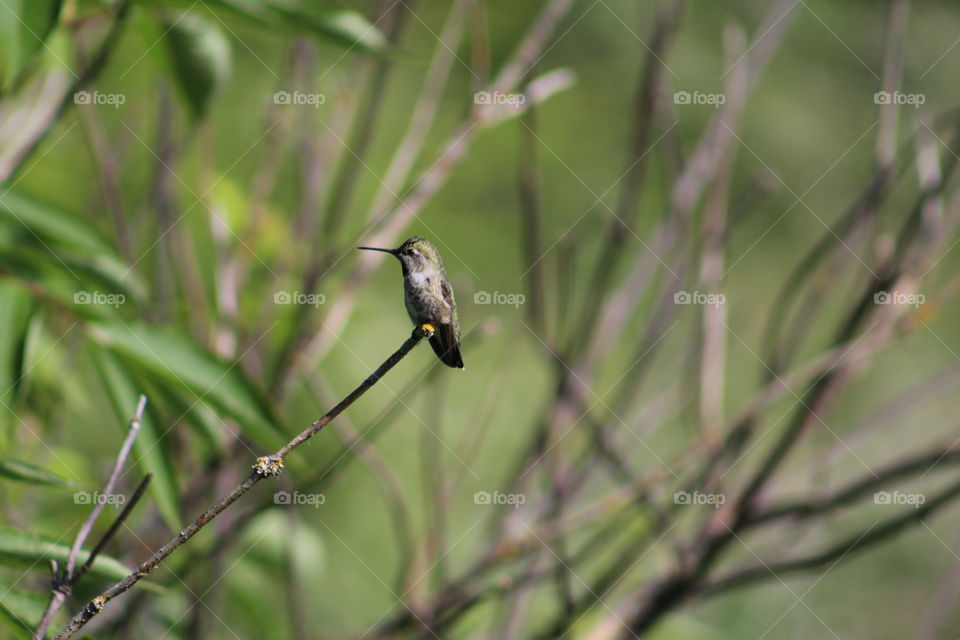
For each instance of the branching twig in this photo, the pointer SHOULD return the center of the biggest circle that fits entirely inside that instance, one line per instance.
(127, 509)
(63, 583)
(265, 467)
(876, 533)
(851, 493)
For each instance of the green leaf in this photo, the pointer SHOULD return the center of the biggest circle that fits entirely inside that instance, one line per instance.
(42, 237)
(200, 56)
(50, 222)
(21, 612)
(200, 417)
(185, 366)
(150, 453)
(25, 472)
(277, 548)
(352, 29)
(24, 27)
(91, 285)
(323, 19)
(35, 551)
(16, 311)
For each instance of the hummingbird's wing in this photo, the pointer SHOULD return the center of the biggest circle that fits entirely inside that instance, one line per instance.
(446, 339)
(445, 345)
(446, 291)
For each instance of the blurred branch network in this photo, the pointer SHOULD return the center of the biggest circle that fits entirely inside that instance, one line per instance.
(598, 525)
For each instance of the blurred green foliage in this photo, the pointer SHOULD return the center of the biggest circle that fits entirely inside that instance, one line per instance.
(116, 228)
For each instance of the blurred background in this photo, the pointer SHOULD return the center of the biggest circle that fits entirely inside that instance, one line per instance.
(704, 258)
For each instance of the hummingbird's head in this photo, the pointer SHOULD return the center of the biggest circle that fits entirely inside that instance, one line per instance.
(416, 254)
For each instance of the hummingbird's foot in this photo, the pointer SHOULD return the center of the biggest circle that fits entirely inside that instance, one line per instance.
(428, 329)
(268, 466)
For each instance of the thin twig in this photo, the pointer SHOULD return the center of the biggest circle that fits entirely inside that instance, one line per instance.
(127, 510)
(111, 482)
(423, 115)
(63, 583)
(839, 551)
(712, 258)
(531, 216)
(265, 467)
(386, 229)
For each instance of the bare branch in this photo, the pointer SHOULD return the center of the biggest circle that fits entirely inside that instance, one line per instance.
(840, 551)
(266, 467)
(63, 583)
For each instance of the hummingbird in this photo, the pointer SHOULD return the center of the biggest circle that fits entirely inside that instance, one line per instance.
(428, 296)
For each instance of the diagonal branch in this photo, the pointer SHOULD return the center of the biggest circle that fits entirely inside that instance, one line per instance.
(267, 466)
(875, 534)
(127, 509)
(62, 583)
(861, 488)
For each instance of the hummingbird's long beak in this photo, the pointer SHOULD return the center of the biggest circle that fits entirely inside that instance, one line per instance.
(391, 251)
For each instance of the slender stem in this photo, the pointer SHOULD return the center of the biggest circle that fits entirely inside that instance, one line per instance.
(111, 483)
(856, 542)
(127, 509)
(62, 583)
(265, 467)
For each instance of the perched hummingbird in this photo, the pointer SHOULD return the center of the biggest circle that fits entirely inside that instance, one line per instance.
(428, 296)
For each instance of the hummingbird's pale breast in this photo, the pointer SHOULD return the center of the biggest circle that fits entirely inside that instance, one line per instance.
(423, 297)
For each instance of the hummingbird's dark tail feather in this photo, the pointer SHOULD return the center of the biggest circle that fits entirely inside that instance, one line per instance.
(445, 345)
